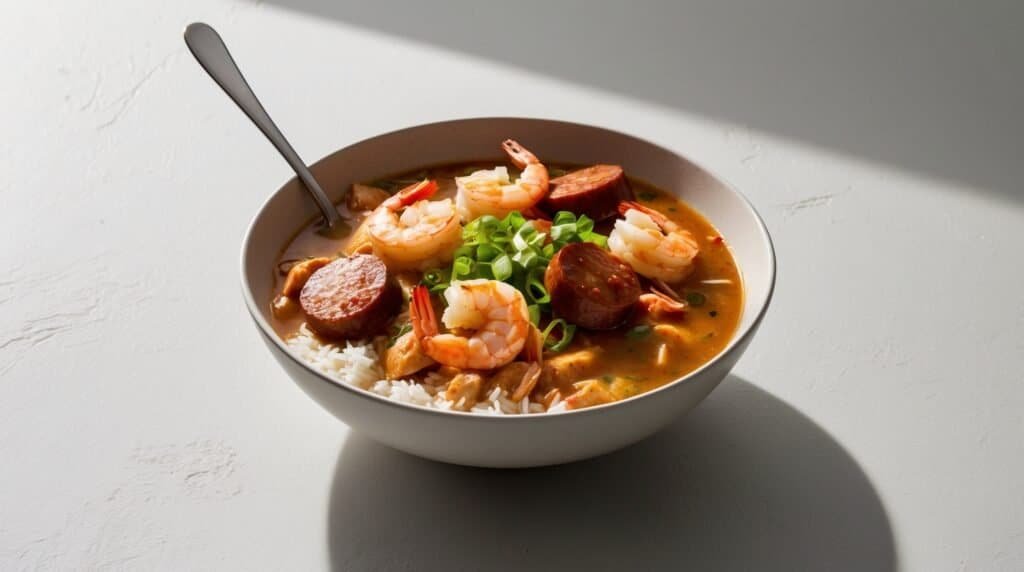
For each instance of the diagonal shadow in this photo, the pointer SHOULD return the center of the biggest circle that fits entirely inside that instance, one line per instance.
(745, 482)
(924, 86)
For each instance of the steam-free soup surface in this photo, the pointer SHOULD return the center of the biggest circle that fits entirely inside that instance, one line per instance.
(641, 355)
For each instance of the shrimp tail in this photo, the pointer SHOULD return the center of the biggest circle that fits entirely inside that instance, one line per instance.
(518, 154)
(421, 314)
(659, 286)
(533, 349)
(658, 218)
(658, 303)
(412, 194)
(528, 382)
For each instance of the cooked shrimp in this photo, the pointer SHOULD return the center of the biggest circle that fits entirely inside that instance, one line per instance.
(487, 319)
(492, 192)
(409, 232)
(652, 244)
(660, 306)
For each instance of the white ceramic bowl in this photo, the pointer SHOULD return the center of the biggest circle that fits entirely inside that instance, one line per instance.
(510, 441)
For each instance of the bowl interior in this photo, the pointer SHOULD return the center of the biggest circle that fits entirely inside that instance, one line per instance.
(289, 208)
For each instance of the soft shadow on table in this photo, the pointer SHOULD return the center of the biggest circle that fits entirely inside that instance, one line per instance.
(924, 86)
(745, 482)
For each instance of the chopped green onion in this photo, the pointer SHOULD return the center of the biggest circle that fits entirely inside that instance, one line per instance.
(488, 252)
(512, 250)
(519, 242)
(463, 266)
(563, 217)
(482, 270)
(529, 259)
(639, 332)
(501, 267)
(598, 239)
(563, 232)
(435, 277)
(695, 298)
(514, 220)
(647, 196)
(534, 311)
(584, 225)
(568, 330)
(536, 292)
(404, 329)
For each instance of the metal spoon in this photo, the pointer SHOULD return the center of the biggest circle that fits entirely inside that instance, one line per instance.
(209, 50)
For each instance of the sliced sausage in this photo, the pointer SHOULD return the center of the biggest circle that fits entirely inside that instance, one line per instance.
(350, 298)
(595, 191)
(590, 287)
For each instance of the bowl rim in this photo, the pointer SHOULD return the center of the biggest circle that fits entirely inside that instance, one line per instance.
(738, 338)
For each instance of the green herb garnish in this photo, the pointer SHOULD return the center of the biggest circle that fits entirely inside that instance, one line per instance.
(695, 299)
(639, 332)
(647, 196)
(534, 311)
(562, 342)
(401, 331)
(713, 313)
(607, 378)
(513, 250)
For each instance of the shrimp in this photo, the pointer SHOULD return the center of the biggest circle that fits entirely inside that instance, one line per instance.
(492, 192)
(652, 244)
(487, 319)
(660, 306)
(409, 232)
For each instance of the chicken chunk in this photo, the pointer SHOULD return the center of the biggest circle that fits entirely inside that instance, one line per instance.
(299, 274)
(588, 394)
(360, 241)
(676, 336)
(405, 357)
(285, 308)
(563, 369)
(517, 379)
(464, 390)
(365, 198)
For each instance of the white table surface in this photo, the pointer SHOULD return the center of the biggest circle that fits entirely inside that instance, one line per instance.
(876, 423)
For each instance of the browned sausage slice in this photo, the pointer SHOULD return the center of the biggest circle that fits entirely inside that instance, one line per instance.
(590, 287)
(350, 298)
(595, 191)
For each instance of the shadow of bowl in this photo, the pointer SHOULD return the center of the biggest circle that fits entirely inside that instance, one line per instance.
(744, 482)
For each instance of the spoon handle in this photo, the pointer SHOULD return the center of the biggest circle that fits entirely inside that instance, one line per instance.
(209, 50)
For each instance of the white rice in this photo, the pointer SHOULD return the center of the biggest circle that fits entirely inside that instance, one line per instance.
(356, 364)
